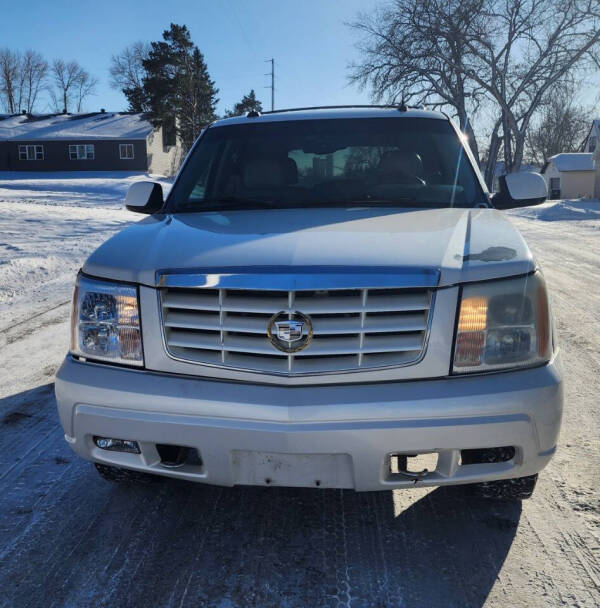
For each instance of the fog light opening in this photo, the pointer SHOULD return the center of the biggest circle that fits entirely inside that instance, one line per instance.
(175, 456)
(117, 445)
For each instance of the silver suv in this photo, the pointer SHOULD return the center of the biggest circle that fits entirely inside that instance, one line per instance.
(327, 298)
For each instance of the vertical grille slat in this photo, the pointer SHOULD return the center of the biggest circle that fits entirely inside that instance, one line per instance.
(353, 330)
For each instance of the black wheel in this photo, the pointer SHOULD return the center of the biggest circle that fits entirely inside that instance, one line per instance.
(119, 475)
(518, 488)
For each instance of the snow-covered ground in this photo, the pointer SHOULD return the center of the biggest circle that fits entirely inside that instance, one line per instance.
(563, 211)
(49, 224)
(69, 539)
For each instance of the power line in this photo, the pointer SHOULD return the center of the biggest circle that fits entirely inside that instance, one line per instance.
(233, 11)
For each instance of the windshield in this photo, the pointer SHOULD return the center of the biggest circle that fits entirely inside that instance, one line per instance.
(410, 162)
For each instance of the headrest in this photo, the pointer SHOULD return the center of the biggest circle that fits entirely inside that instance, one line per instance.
(263, 173)
(291, 171)
(270, 173)
(401, 162)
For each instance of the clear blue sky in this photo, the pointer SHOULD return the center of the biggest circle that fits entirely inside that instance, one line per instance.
(308, 39)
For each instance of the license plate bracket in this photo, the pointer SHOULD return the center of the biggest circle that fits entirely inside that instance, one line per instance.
(295, 470)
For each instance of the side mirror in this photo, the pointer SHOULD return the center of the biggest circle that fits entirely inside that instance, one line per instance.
(144, 197)
(520, 190)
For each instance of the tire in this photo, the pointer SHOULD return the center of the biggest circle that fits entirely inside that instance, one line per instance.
(116, 474)
(519, 488)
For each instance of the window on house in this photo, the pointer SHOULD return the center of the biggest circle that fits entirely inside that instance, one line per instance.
(31, 152)
(125, 151)
(81, 152)
(168, 134)
(592, 144)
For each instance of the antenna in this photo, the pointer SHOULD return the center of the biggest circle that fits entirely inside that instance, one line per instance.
(272, 87)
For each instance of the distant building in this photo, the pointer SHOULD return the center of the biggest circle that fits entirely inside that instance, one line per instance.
(570, 175)
(101, 141)
(323, 167)
(591, 144)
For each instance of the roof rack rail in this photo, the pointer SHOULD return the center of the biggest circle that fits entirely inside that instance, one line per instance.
(402, 107)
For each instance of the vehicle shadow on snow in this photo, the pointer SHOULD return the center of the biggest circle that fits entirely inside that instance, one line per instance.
(184, 544)
(316, 546)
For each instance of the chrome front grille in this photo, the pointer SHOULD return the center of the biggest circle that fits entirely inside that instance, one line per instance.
(353, 330)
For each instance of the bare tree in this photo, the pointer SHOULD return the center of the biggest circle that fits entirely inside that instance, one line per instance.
(34, 71)
(127, 74)
(10, 70)
(415, 50)
(491, 154)
(72, 85)
(507, 53)
(520, 49)
(65, 75)
(561, 126)
(85, 86)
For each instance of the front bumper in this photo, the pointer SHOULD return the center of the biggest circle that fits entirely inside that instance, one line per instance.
(337, 436)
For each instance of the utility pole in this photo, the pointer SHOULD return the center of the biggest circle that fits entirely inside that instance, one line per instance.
(272, 87)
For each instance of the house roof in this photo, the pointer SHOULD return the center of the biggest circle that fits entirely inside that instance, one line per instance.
(573, 161)
(98, 125)
(594, 129)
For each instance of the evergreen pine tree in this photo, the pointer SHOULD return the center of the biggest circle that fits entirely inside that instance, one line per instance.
(248, 103)
(180, 93)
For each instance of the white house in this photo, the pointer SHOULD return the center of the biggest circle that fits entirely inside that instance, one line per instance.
(570, 175)
(591, 144)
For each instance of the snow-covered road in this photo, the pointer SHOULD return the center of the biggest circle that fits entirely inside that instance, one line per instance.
(67, 538)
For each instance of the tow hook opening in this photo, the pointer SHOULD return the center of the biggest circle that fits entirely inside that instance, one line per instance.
(414, 466)
(487, 455)
(175, 456)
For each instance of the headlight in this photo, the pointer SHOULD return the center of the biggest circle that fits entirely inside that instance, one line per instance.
(105, 323)
(503, 324)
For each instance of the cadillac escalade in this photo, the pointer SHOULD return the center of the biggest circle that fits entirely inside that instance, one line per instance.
(326, 298)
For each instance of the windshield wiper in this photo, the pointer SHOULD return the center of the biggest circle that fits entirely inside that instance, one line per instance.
(233, 203)
(405, 200)
(226, 203)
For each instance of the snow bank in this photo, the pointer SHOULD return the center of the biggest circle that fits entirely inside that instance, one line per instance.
(560, 211)
(72, 188)
(49, 224)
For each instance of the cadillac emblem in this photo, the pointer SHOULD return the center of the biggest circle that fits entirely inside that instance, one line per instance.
(289, 331)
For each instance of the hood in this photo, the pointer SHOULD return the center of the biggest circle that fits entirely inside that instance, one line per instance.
(461, 245)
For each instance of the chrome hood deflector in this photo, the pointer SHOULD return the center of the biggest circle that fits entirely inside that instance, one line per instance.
(299, 278)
